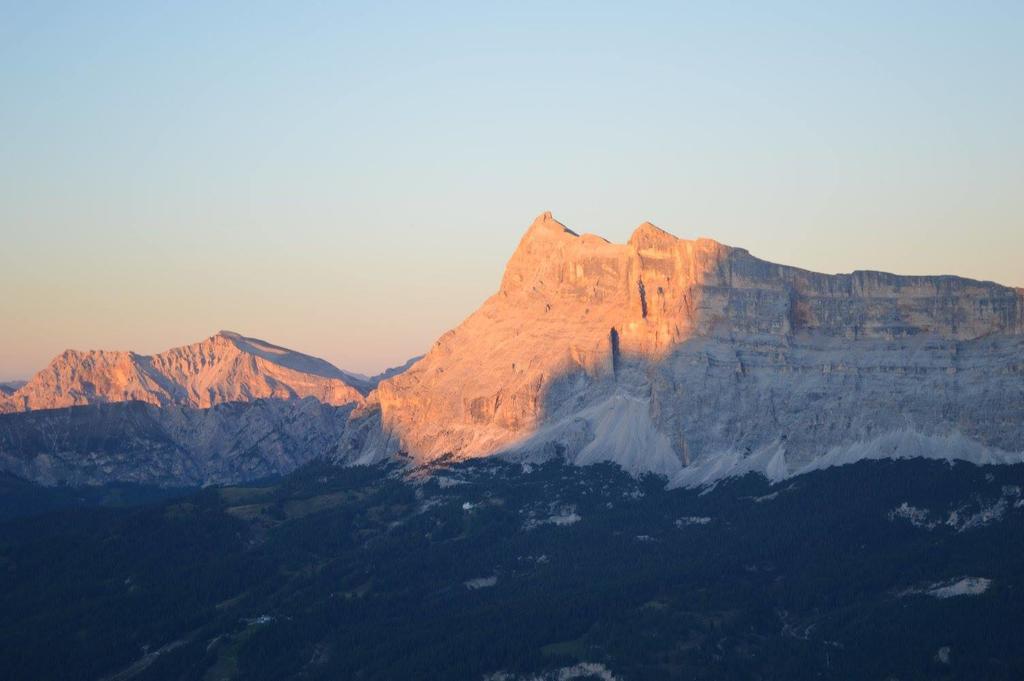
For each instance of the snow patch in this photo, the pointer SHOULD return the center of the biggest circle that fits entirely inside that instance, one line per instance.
(583, 670)
(564, 519)
(968, 586)
(964, 586)
(481, 582)
(561, 517)
(986, 515)
(958, 519)
(918, 517)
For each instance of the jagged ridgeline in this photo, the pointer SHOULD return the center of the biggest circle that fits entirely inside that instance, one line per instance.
(686, 358)
(226, 367)
(226, 409)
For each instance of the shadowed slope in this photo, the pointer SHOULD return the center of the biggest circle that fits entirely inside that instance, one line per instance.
(170, 445)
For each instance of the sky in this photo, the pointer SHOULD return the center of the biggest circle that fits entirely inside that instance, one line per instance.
(349, 179)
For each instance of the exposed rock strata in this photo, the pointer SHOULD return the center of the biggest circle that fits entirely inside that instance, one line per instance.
(673, 355)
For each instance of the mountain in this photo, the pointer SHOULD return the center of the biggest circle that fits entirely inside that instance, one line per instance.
(173, 445)
(229, 409)
(9, 387)
(697, 360)
(393, 371)
(690, 359)
(226, 367)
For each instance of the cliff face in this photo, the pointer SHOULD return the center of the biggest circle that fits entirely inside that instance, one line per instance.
(224, 368)
(672, 355)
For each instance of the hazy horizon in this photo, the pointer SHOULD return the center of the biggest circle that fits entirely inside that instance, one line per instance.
(349, 181)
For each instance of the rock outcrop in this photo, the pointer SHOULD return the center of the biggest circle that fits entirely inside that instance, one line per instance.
(693, 359)
(224, 368)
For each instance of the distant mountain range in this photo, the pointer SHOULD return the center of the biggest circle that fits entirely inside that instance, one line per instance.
(689, 359)
(8, 387)
(226, 409)
(226, 367)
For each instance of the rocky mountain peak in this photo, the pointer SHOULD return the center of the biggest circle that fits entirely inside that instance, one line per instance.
(226, 367)
(663, 354)
(651, 237)
(546, 224)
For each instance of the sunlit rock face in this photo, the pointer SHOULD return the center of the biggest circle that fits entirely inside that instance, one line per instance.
(694, 359)
(226, 367)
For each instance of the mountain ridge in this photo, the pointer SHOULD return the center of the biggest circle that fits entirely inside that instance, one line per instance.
(223, 368)
(690, 359)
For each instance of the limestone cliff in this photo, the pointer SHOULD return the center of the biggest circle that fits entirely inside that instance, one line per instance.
(680, 356)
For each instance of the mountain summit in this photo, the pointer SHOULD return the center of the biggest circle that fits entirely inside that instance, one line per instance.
(687, 358)
(226, 367)
(695, 359)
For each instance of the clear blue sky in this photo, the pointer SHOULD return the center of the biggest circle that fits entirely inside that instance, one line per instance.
(348, 179)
